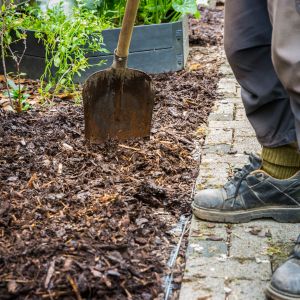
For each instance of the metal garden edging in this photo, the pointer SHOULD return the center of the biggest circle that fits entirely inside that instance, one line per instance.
(157, 48)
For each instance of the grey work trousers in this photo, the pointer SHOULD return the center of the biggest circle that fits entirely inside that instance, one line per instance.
(262, 44)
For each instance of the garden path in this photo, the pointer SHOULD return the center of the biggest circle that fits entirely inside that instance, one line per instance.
(231, 261)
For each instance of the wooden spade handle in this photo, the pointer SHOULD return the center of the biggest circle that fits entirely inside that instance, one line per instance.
(127, 28)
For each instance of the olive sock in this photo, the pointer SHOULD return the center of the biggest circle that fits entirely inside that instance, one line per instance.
(281, 162)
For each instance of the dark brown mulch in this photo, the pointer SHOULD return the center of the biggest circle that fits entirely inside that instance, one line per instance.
(209, 29)
(92, 222)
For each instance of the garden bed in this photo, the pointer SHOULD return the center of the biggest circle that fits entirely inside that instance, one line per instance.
(156, 48)
(94, 222)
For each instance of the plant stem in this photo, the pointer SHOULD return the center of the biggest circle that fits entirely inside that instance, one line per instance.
(58, 82)
(4, 63)
(18, 59)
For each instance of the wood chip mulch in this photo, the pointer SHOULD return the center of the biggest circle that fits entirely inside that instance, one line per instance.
(93, 222)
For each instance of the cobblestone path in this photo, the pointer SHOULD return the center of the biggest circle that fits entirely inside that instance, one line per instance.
(224, 261)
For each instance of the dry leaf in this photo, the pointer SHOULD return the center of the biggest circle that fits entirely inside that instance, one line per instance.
(30, 183)
(66, 96)
(195, 67)
(108, 197)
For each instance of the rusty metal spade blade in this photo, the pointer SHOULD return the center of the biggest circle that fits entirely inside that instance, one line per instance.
(118, 102)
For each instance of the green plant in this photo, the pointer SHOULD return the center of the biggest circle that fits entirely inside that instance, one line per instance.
(69, 37)
(10, 33)
(18, 95)
(67, 40)
(150, 11)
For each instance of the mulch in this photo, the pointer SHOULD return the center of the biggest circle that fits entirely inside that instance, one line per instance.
(209, 31)
(81, 221)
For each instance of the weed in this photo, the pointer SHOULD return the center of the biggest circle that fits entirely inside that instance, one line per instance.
(9, 23)
(18, 95)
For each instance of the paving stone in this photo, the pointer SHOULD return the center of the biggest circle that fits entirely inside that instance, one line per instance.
(218, 149)
(240, 114)
(199, 249)
(201, 267)
(244, 132)
(229, 124)
(203, 289)
(225, 70)
(280, 232)
(246, 289)
(245, 243)
(220, 267)
(234, 160)
(236, 100)
(219, 136)
(227, 87)
(206, 230)
(212, 176)
(220, 117)
(246, 144)
(223, 107)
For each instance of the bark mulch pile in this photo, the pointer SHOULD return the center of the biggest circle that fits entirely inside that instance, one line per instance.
(209, 30)
(93, 222)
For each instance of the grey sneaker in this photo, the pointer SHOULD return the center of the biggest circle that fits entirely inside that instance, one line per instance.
(250, 194)
(285, 282)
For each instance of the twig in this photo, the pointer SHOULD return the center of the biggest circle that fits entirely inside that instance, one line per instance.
(49, 273)
(58, 82)
(129, 148)
(4, 63)
(74, 287)
(18, 59)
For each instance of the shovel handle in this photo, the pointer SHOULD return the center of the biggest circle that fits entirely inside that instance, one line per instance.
(127, 28)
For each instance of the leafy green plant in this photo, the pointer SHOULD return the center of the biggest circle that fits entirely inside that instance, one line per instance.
(67, 39)
(150, 11)
(9, 26)
(18, 95)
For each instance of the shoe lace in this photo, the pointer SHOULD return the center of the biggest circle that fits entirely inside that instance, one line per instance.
(239, 175)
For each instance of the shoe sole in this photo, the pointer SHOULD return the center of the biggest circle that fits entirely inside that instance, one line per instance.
(279, 214)
(274, 294)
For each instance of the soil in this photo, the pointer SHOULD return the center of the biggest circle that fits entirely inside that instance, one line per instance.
(80, 221)
(209, 29)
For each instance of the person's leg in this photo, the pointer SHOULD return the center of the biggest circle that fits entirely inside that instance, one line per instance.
(266, 188)
(285, 16)
(248, 34)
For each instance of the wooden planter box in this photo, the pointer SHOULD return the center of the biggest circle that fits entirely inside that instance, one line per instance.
(154, 49)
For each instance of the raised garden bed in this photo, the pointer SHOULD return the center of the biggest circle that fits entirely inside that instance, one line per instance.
(155, 49)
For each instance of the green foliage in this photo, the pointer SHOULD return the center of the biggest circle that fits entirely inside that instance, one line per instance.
(19, 96)
(10, 22)
(186, 7)
(67, 40)
(150, 11)
(69, 37)
(10, 33)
